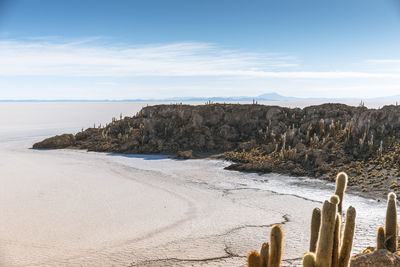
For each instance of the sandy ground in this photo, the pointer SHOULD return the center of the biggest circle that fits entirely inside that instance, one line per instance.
(73, 208)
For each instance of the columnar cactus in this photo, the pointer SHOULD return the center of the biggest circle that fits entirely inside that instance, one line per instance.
(326, 233)
(341, 184)
(347, 240)
(264, 254)
(336, 241)
(315, 224)
(333, 249)
(270, 254)
(391, 228)
(276, 247)
(380, 238)
(253, 259)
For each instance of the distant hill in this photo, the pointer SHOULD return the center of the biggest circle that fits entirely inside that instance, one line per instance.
(276, 97)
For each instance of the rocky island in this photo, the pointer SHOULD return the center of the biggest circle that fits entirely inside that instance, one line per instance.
(317, 141)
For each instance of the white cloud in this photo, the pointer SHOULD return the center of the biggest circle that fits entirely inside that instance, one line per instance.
(85, 58)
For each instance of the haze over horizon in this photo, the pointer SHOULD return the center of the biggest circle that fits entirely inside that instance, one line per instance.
(163, 49)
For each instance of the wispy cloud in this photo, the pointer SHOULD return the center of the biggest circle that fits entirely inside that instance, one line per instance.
(85, 57)
(81, 58)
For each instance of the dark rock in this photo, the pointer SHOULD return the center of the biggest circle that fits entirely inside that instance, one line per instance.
(188, 154)
(59, 141)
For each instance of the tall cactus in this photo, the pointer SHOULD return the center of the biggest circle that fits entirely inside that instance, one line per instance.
(254, 259)
(325, 240)
(380, 238)
(264, 254)
(315, 224)
(347, 240)
(270, 253)
(341, 185)
(333, 249)
(276, 247)
(391, 228)
(336, 241)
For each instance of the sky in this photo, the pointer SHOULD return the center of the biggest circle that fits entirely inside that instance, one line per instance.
(97, 49)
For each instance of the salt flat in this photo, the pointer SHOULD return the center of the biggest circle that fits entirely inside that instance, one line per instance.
(77, 208)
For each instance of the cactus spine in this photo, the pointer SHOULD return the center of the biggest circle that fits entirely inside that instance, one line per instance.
(253, 259)
(264, 254)
(325, 240)
(341, 184)
(276, 248)
(315, 224)
(380, 238)
(336, 241)
(347, 240)
(391, 224)
(309, 260)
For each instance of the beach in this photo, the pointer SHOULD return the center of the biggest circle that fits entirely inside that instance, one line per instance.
(78, 208)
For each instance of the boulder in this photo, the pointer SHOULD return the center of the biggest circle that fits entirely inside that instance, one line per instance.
(188, 154)
(59, 141)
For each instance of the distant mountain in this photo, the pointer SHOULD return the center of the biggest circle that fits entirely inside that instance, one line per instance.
(276, 97)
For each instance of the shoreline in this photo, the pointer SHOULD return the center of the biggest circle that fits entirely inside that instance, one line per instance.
(355, 190)
(356, 185)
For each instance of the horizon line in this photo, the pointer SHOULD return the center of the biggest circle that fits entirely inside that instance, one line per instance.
(195, 99)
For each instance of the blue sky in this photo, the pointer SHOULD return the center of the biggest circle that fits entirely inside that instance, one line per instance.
(166, 48)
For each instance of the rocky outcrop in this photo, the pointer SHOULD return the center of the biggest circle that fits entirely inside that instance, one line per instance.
(316, 141)
(59, 141)
(377, 258)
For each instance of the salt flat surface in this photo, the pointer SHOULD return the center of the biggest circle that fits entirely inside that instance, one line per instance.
(77, 208)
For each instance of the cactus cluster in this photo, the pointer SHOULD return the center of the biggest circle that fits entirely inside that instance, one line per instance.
(328, 247)
(331, 240)
(271, 253)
